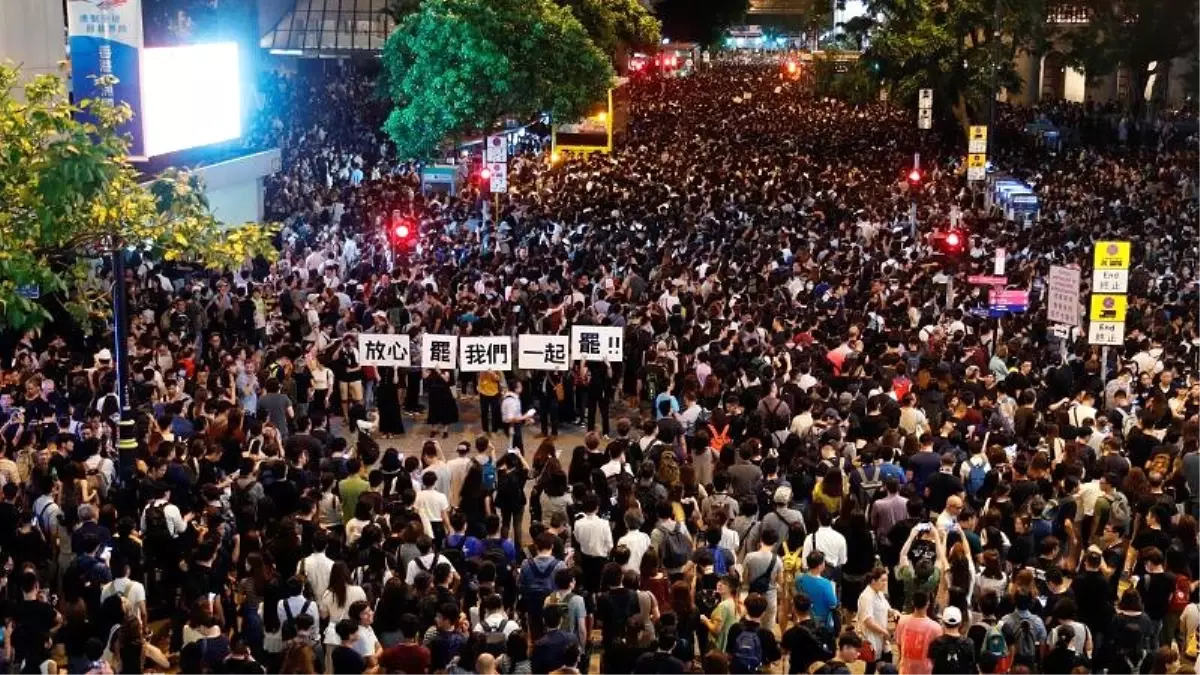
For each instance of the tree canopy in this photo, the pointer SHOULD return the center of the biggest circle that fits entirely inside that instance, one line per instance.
(68, 191)
(456, 66)
(616, 24)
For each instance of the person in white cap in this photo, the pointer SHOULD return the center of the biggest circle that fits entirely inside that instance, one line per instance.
(952, 652)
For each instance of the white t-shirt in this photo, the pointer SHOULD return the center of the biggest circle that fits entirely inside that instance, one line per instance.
(494, 620)
(336, 612)
(429, 505)
(428, 562)
(133, 591)
(638, 543)
(365, 645)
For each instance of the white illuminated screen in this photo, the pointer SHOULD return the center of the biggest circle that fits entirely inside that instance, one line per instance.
(190, 96)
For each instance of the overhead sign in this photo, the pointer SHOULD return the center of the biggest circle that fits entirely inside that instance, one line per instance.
(499, 180)
(1062, 297)
(1111, 255)
(1008, 301)
(983, 280)
(925, 99)
(1108, 307)
(976, 166)
(1108, 333)
(977, 140)
(496, 150)
(924, 118)
(1110, 281)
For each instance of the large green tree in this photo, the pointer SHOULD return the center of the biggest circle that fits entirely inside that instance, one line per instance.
(702, 21)
(456, 66)
(1143, 35)
(68, 192)
(950, 47)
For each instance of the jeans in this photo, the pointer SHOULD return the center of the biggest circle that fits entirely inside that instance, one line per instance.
(510, 521)
(489, 413)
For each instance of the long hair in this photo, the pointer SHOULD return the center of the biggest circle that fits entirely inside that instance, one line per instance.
(681, 598)
(339, 582)
(298, 660)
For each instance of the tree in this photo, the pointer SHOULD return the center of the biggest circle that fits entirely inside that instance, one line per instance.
(616, 24)
(68, 192)
(950, 48)
(1144, 35)
(457, 66)
(398, 10)
(701, 21)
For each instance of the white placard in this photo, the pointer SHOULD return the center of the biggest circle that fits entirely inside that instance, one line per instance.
(543, 352)
(1106, 333)
(925, 99)
(597, 343)
(384, 350)
(975, 172)
(977, 145)
(439, 351)
(1062, 296)
(499, 181)
(477, 354)
(1110, 281)
(998, 262)
(496, 150)
(924, 118)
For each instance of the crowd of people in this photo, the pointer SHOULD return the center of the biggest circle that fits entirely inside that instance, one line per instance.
(808, 459)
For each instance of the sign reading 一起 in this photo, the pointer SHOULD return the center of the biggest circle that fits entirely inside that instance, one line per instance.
(1062, 296)
(543, 352)
(384, 350)
(439, 351)
(597, 343)
(477, 354)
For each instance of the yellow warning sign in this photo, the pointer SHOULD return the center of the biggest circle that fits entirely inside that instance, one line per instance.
(1108, 307)
(1111, 255)
(976, 160)
(978, 133)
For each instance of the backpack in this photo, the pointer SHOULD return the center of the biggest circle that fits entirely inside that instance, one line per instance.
(720, 503)
(1181, 595)
(946, 654)
(675, 547)
(766, 496)
(158, 533)
(792, 560)
(494, 639)
(493, 552)
(564, 607)
(647, 497)
(994, 644)
(489, 475)
(1119, 512)
(748, 651)
(1026, 650)
(976, 475)
(707, 598)
(290, 620)
(454, 551)
(762, 583)
(540, 586)
(717, 440)
(869, 486)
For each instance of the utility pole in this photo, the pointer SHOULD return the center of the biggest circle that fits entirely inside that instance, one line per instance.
(995, 74)
(126, 438)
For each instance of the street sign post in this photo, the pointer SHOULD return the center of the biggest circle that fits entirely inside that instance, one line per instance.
(1110, 281)
(977, 140)
(976, 167)
(1062, 297)
(925, 109)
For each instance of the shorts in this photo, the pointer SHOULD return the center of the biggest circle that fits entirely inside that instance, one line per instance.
(351, 391)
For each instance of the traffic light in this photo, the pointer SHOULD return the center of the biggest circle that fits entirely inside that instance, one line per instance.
(915, 178)
(485, 174)
(401, 229)
(951, 243)
(791, 67)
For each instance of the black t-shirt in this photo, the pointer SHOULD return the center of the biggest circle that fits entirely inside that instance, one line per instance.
(952, 654)
(658, 662)
(941, 487)
(1156, 590)
(346, 660)
(240, 667)
(32, 622)
(804, 647)
(1149, 537)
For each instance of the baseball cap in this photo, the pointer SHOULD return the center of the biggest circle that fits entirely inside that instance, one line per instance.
(952, 616)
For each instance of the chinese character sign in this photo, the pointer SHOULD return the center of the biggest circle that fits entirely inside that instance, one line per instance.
(105, 39)
(543, 352)
(477, 354)
(439, 351)
(1062, 297)
(384, 350)
(597, 343)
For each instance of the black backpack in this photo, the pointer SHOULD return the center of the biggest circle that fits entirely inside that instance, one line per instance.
(157, 536)
(952, 655)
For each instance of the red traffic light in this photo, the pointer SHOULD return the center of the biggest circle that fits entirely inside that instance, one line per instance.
(791, 67)
(953, 240)
(401, 231)
(485, 174)
(914, 176)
